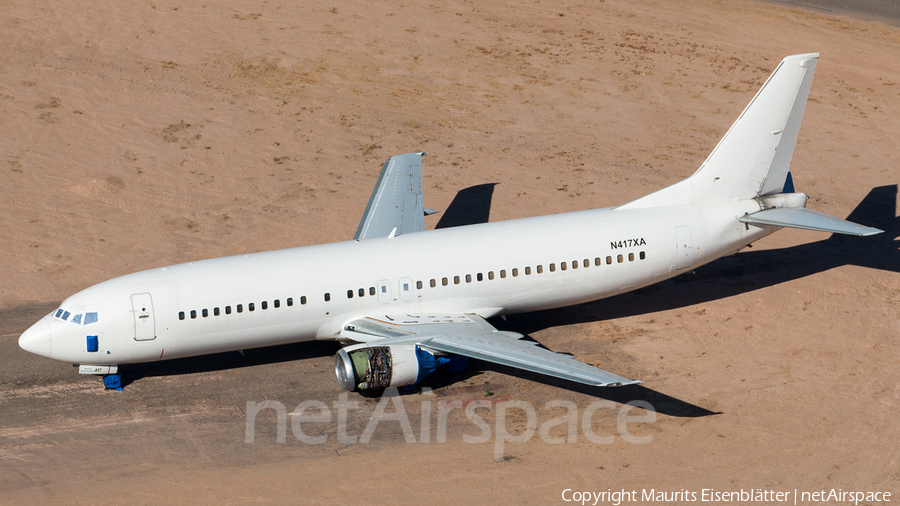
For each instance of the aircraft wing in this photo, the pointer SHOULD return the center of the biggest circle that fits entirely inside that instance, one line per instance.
(396, 206)
(471, 336)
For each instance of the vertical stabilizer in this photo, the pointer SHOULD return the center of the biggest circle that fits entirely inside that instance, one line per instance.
(754, 157)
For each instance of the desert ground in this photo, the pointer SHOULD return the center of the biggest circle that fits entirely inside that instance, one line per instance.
(138, 135)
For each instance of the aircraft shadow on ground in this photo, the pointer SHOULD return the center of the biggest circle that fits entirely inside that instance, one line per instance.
(230, 360)
(470, 206)
(744, 272)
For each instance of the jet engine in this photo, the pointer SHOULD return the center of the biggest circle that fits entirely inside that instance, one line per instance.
(364, 367)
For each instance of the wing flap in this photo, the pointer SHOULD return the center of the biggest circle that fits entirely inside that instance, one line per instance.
(807, 219)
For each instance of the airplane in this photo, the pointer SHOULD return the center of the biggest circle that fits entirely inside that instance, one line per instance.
(405, 301)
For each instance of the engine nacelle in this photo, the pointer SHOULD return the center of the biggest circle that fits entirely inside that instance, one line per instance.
(377, 367)
(360, 367)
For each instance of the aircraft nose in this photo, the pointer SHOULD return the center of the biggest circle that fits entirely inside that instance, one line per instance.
(37, 339)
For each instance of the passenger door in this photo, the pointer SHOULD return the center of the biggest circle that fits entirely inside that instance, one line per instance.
(684, 250)
(144, 322)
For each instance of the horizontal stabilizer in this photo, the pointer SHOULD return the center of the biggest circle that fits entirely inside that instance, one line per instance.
(807, 219)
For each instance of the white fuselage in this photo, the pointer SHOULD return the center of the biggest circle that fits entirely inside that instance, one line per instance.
(490, 269)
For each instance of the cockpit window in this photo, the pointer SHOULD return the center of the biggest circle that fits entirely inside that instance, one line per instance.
(76, 319)
(65, 315)
(90, 318)
(59, 312)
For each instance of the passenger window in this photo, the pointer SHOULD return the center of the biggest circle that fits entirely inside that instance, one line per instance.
(193, 313)
(181, 315)
(303, 300)
(515, 271)
(562, 266)
(290, 301)
(455, 280)
(468, 278)
(597, 261)
(362, 292)
(502, 273)
(77, 319)
(433, 283)
(371, 290)
(240, 308)
(643, 255)
(540, 269)
(574, 264)
(276, 303)
(251, 307)
(445, 281)
(327, 297)
(479, 277)
(490, 274)
(528, 271)
(552, 268)
(419, 285)
(227, 309)
(90, 318)
(349, 294)
(631, 257)
(608, 260)
(205, 313)
(587, 263)
(215, 311)
(264, 305)
(619, 258)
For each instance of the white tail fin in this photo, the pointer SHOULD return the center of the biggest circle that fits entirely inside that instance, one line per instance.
(754, 157)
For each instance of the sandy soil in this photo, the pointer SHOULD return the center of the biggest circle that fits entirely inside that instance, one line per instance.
(146, 134)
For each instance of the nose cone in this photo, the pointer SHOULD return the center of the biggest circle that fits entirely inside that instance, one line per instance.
(37, 339)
